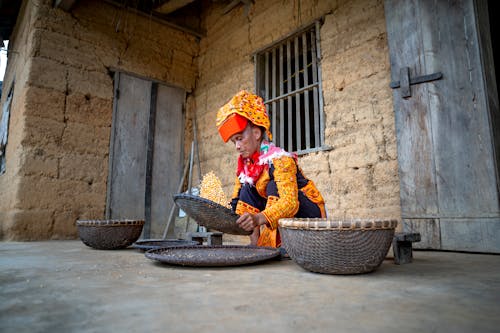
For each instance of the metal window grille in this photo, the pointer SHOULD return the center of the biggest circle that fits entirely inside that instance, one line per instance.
(288, 77)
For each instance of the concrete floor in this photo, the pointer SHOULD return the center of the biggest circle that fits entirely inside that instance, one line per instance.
(64, 286)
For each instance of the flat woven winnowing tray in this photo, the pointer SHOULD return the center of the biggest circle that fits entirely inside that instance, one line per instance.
(151, 244)
(215, 255)
(210, 214)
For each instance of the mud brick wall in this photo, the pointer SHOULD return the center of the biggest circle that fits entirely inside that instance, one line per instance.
(359, 176)
(57, 154)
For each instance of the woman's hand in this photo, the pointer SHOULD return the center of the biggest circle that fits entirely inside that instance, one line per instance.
(249, 221)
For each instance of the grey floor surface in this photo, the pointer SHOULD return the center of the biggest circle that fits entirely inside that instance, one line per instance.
(65, 286)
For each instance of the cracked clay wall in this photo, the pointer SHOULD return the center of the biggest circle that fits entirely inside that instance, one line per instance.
(60, 63)
(359, 176)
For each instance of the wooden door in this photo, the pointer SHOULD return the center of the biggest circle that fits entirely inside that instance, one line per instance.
(445, 129)
(145, 152)
(167, 156)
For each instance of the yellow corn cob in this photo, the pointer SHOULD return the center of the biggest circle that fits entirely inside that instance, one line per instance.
(211, 189)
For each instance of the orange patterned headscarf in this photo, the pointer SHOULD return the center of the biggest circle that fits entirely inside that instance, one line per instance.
(246, 105)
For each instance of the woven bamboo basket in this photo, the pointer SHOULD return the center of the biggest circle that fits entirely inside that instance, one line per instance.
(212, 255)
(109, 234)
(337, 246)
(210, 214)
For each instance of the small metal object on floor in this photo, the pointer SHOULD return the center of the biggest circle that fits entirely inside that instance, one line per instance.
(402, 246)
(213, 237)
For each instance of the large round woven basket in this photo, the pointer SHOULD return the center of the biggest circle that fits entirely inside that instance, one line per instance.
(109, 234)
(337, 246)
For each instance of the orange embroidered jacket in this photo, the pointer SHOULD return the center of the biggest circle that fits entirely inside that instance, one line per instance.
(289, 179)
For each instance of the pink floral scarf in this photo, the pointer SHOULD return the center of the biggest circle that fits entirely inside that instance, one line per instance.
(250, 168)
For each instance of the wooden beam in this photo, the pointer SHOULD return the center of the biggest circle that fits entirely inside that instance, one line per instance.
(157, 17)
(171, 6)
(65, 5)
(229, 7)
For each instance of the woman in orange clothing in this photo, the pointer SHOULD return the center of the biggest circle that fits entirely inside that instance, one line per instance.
(269, 184)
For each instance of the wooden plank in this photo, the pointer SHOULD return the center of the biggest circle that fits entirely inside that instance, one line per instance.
(446, 153)
(488, 61)
(116, 92)
(65, 5)
(418, 187)
(149, 160)
(459, 112)
(474, 235)
(154, 16)
(428, 229)
(128, 174)
(171, 6)
(168, 156)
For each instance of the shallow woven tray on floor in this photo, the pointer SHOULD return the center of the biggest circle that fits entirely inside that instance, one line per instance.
(150, 244)
(215, 255)
(210, 214)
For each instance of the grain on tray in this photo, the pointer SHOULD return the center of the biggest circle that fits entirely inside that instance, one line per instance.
(211, 189)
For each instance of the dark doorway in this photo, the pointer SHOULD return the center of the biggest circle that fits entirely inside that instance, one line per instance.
(494, 7)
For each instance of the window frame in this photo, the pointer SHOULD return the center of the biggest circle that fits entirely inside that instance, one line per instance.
(266, 76)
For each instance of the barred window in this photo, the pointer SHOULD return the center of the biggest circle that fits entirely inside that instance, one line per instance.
(288, 77)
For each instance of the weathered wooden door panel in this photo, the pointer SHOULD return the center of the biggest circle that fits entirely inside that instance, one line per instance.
(482, 234)
(127, 177)
(414, 132)
(145, 151)
(167, 160)
(463, 150)
(427, 227)
(445, 145)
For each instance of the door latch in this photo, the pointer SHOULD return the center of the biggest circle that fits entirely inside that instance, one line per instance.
(406, 81)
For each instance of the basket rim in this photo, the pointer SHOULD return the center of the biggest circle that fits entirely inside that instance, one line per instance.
(109, 223)
(337, 224)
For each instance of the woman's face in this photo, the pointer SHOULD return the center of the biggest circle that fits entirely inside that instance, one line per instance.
(247, 142)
